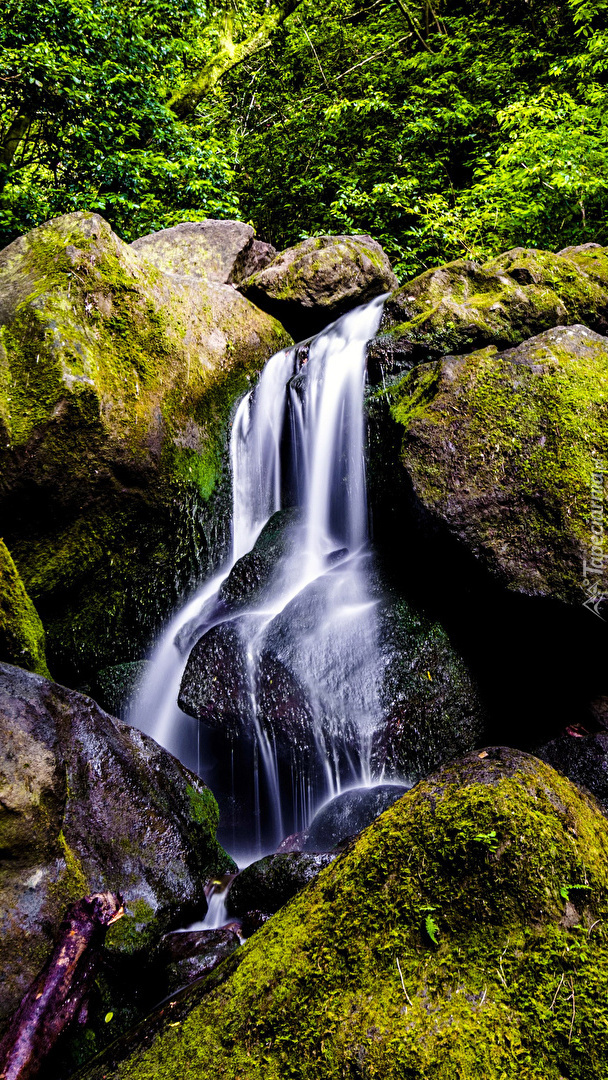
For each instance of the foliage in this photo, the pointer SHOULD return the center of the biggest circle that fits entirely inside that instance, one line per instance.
(442, 130)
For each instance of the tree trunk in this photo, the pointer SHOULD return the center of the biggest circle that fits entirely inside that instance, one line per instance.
(59, 992)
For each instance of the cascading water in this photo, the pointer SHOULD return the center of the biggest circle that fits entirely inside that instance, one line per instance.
(297, 439)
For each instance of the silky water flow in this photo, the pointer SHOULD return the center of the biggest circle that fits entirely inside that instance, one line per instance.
(297, 440)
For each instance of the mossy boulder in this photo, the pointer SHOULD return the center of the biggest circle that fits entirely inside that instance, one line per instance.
(21, 632)
(117, 383)
(311, 284)
(464, 934)
(506, 453)
(462, 306)
(88, 804)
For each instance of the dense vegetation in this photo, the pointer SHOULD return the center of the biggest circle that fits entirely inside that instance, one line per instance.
(443, 128)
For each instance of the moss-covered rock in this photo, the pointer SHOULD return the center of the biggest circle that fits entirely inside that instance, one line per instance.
(464, 935)
(507, 452)
(21, 632)
(117, 382)
(463, 306)
(311, 284)
(88, 804)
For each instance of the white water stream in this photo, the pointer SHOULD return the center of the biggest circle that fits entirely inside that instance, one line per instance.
(317, 616)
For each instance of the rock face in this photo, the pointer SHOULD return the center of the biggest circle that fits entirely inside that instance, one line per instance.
(188, 955)
(311, 284)
(583, 758)
(203, 249)
(268, 884)
(349, 813)
(21, 632)
(88, 804)
(463, 306)
(505, 451)
(432, 708)
(484, 882)
(117, 382)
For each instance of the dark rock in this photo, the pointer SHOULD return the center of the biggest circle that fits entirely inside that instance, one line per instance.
(313, 283)
(295, 842)
(88, 804)
(268, 884)
(189, 954)
(252, 921)
(583, 758)
(207, 249)
(215, 684)
(349, 813)
(463, 306)
(251, 260)
(431, 706)
(114, 687)
(252, 574)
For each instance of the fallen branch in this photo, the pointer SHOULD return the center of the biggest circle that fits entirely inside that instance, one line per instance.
(58, 993)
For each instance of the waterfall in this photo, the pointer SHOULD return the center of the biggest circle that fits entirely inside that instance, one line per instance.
(297, 440)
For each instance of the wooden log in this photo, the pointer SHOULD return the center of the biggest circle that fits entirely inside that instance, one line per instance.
(59, 992)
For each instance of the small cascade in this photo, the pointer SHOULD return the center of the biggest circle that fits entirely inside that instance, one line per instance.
(297, 440)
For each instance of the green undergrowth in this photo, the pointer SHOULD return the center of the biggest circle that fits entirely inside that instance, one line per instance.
(439, 946)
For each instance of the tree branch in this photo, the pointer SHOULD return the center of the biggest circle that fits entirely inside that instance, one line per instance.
(10, 145)
(230, 55)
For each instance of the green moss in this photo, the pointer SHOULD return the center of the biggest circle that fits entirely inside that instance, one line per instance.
(136, 931)
(71, 885)
(21, 631)
(516, 986)
(203, 808)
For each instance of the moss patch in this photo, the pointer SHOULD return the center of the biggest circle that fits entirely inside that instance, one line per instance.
(21, 631)
(462, 883)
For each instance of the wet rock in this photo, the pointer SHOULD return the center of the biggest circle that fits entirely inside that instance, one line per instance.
(114, 687)
(269, 883)
(432, 710)
(308, 286)
(207, 249)
(463, 306)
(21, 631)
(253, 573)
(583, 758)
(252, 921)
(88, 804)
(187, 955)
(215, 684)
(295, 842)
(349, 813)
(112, 455)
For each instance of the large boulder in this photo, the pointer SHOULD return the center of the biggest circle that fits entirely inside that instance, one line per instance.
(462, 935)
(119, 381)
(88, 804)
(506, 452)
(212, 250)
(311, 284)
(462, 306)
(21, 631)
